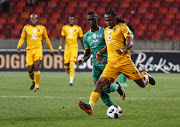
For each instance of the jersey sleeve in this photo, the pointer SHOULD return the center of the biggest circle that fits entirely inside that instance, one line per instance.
(80, 32)
(63, 31)
(125, 30)
(46, 39)
(86, 45)
(23, 36)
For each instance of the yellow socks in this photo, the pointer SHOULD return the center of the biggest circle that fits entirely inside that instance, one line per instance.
(72, 71)
(37, 79)
(94, 97)
(31, 75)
(67, 69)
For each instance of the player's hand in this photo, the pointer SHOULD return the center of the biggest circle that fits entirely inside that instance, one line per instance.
(120, 51)
(79, 62)
(98, 59)
(59, 51)
(19, 49)
(52, 53)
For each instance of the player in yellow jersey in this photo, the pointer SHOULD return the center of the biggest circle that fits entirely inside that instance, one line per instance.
(119, 59)
(34, 32)
(70, 33)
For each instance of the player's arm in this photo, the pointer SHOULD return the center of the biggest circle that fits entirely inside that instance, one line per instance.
(104, 50)
(61, 44)
(21, 41)
(127, 35)
(87, 52)
(63, 34)
(48, 43)
(81, 40)
(86, 56)
(81, 37)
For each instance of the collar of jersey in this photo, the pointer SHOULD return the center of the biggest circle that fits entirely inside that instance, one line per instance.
(97, 30)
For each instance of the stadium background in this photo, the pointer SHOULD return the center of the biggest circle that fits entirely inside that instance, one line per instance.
(156, 25)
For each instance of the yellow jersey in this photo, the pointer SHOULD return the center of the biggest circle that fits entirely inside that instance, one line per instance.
(71, 34)
(115, 39)
(34, 37)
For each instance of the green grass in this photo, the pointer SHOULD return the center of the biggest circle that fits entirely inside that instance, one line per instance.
(55, 105)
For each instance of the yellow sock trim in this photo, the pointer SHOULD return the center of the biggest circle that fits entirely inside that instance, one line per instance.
(37, 79)
(146, 78)
(94, 97)
(31, 75)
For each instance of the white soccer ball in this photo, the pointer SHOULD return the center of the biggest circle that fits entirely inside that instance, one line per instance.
(114, 112)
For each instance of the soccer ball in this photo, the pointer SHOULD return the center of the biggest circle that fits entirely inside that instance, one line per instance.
(114, 112)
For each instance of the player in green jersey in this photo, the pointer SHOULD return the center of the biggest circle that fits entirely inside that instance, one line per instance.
(94, 42)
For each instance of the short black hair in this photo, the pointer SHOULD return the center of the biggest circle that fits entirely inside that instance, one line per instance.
(72, 15)
(111, 12)
(92, 13)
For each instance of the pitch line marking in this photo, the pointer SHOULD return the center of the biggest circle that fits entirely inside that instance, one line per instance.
(56, 97)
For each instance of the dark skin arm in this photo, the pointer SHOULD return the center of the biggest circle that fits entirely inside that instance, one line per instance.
(127, 46)
(81, 40)
(104, 50)
(86, 57)
(61, 44)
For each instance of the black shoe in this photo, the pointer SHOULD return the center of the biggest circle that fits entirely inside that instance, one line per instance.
(32, 85)
(70, 84)
(151, 79)
(36, 89)
(86, 107)
(121, 91)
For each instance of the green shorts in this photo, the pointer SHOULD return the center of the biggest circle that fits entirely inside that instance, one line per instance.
(97, 71)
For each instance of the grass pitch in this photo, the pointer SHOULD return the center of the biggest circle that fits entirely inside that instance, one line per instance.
(55, 105)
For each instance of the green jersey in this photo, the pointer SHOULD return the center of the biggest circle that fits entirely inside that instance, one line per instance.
(95, 41)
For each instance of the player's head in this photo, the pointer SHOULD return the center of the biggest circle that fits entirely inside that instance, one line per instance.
(34, 19)
(92, 19)
(110, 18)
(71, 20)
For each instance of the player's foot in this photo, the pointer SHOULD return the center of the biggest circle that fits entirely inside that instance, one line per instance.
(86, 107)
(124, 85)
(121, 91)
(32, 85)
(70, 84)
(36, 89)
(151, 79)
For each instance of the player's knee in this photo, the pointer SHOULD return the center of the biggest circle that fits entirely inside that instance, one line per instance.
(36, 68)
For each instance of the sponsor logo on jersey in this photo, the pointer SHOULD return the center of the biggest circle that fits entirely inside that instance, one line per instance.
(109, 38)
(34, 36)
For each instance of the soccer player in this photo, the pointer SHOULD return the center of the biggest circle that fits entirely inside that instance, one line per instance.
(94, 42)
(119, 60)
(70, 33)
(34, 32)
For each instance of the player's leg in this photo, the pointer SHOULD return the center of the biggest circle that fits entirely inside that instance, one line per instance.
(131, 72)
(73, 58)
(122, 80)
(66, 67)
(97, 71)
(37, 63)
(88, 108)
(67, 56)
(29, 63)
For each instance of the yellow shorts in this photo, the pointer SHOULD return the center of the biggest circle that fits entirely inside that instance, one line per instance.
(70, 54)
(125, 66)
(33, 55)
